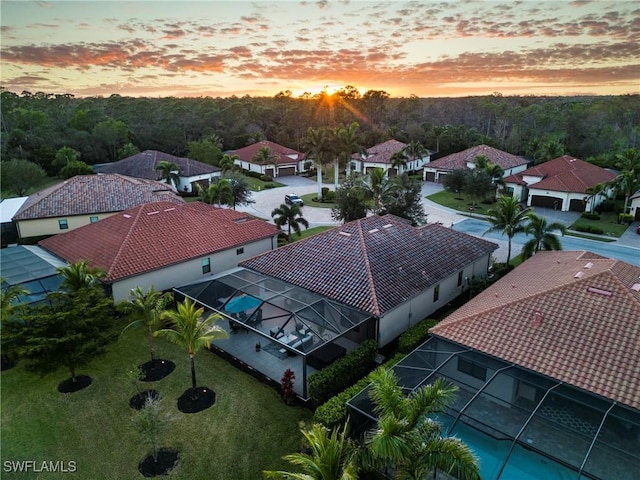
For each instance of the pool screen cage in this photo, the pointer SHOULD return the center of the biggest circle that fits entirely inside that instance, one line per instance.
(586, 435)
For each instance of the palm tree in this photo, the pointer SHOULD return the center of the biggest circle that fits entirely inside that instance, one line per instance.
(169, 172)
(399, 161)
(376, 185)
(317, 142)
(78, 276)
(543, 236)
(218, 193)
(145, 308)
(228, 162)
(626, 183)
(292, 216)
(264, 156)
(348, 144)
(508, 219)
(593, 193)
(414, 150)
(331, 457)
(191, 331)
(406, 439)
(8, 297)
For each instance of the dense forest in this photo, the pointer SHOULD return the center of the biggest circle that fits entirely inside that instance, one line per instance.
(36, 126)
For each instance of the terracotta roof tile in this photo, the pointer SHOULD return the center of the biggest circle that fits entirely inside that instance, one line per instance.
(88, 194)
(283, 155)
(383, 152)
(374, 264)
(580, 329)
(459, 160)
(156, 235)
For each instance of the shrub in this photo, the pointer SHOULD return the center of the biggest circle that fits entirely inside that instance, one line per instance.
(591, 216)
(343, 372)
(606, 206)
(596, 230)
(625, 218)
(266, 178)
(415, 335)
(334, 411)
(588, 229)
(325, 190)
(330, 197)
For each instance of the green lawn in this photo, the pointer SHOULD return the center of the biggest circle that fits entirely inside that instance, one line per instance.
(247, 430)
(309, 201)
(608, 223)
(457, 202)
(310, 232)
(257, 185)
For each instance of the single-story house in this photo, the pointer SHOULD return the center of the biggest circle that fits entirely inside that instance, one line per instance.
(143, 165)
(546, 363)
(560, 184)
(511, 164)
(164, 244)
(86, 199)
(635, 205)
(284, 161)
(8, 209)
(310, 302)
(381, 156)
(32, 268)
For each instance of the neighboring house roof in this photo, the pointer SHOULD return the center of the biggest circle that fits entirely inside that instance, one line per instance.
(87, 194)
(459, 160)
(9, 207)
(373, 264)
(143, 165)
(563, 174)
(635, 195)
(382, 152)
(282, 155)
(572, 316)
(156, 235)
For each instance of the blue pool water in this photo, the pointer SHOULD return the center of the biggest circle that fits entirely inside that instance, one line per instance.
(523, 464)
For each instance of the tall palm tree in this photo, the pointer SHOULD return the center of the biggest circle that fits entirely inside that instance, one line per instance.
(145, 308)
(626, 183)
(169, 172)
(317, 142)
(228, 162)
(593, 193)
(218, 193)
(508, 219)
(348, 143)
(406, 439)
(265, 156)
(290, 215)
(78, 276)
(414, 150)
(376, 184)
(331, 457)
(399, 161)
(190, 331)
(543, 236)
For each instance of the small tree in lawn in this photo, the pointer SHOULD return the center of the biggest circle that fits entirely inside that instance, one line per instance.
(286, 382)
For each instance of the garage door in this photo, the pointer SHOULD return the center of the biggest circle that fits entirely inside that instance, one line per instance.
(576, 205)
(286, 171)
(431, 176)
(546, 202)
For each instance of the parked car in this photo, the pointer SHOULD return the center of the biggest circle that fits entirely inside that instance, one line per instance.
(293, 199)
(638, 230)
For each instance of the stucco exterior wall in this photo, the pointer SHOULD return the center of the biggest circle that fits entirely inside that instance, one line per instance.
(49, 226)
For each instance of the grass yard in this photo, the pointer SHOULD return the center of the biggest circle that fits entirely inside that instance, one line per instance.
(608, 224)
(257, 185)
(455, 201)
(309, 202)
(248, 429)
(310, 232)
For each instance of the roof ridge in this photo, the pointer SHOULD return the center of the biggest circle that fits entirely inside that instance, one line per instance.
(367, 267)
(124, 242)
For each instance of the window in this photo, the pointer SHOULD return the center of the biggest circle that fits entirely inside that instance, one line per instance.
(239, 251)
(93, 219)
(473, 369)
(436, 293)
(460, 278)
(63, 224)
(206, 265)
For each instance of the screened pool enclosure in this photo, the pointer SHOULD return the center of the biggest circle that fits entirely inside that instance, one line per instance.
(520, 424)
(293, 326)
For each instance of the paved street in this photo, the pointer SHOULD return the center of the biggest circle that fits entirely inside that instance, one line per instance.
(626, 248)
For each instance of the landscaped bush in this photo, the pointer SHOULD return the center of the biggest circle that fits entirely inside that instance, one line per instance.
(249, 173)
(266, 178)
(588, 229)
(415, 335)
(591, 216)
(606, 206)
(334, 411)
(625, 218)
(330, 197)
(343, 372)
(325, 190)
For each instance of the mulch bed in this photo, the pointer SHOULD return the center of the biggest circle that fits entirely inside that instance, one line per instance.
(154, 371)
(139, 400)
(68, 386)
(167, 459)
(203, 399)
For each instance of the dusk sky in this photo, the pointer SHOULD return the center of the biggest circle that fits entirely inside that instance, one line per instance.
(259, 48)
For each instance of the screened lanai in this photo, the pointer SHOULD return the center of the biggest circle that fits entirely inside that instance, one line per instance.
(521, 425)
(290, 323)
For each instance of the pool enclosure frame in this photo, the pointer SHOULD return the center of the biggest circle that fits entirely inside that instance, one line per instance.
(289, 319)
(588, 436)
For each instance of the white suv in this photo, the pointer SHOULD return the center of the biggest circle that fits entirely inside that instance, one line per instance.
(293, 199)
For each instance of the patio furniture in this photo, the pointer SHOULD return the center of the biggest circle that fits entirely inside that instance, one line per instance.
(276, 332)
(325, 355)
(302, 341)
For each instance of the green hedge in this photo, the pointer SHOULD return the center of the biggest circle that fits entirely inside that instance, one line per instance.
(590, 216)
(588, 229)
(343, 372)
(415, 335)
(334, 411)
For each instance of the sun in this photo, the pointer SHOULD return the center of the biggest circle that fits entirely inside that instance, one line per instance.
(315, 89)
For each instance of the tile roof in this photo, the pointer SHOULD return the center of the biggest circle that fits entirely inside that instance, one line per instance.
(143, 165)
(572, 316)
(283, 154)
(382, 152)
(564, 174)
(373, 264)
(156, 235)
(459, 160)
(88, 194)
